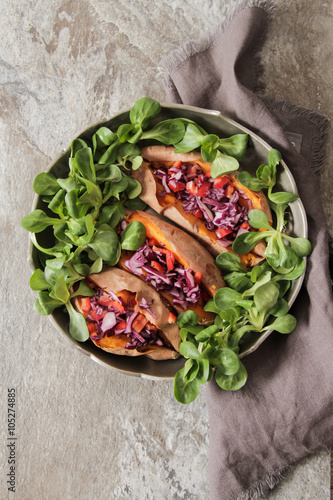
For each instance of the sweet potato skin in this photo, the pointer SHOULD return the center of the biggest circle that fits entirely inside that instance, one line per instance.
(172, 208)
(116, 280)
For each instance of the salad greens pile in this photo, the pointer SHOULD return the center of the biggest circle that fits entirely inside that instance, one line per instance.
(83, 211)
(253, 300)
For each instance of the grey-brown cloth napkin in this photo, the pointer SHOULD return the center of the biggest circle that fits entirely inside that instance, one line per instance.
(285, 410)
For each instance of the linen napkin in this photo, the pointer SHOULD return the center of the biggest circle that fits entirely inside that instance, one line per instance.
(285, 410)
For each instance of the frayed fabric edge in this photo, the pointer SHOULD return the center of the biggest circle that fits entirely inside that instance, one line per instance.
(262, 487)
(192, 47)
(320, 121)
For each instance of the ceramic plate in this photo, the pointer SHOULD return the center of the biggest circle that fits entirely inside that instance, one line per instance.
(212, 122)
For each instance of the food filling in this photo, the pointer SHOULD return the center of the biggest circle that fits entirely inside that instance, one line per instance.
(160, 269)
(222, 207)
(108, 314)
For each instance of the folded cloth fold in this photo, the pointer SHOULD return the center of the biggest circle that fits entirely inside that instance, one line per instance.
(285, 410)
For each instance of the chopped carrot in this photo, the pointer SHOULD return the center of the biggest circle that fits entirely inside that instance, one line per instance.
(177, 164)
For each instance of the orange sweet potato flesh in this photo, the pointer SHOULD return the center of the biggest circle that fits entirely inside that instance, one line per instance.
(169, 206)
(125, 285)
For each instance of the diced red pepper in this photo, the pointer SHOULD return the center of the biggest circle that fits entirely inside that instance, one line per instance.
(91, 328)
(118, 306)
(198, 213)
(192, 170)
(219, 182)
(191, 188)
(177, 164)
(208, 174)
(104, 300)
(139, 323)
(176, 185)
(199, 179)
(170, 260)
(204, 189)
(97, 317)
(229, 191)
(245, 225)
(172, 318)
(152, 327)
(198, 277)
(221, 232)
(152, 242)
(121, 325)
(85, 304)
(156, 265)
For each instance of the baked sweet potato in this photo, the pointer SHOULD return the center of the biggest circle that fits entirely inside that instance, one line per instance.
(186, 202)
(127, 317)
(193, 277)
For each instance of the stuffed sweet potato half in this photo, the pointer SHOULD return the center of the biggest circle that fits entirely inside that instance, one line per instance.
(180, 187)
(175, 264)
(126, 316)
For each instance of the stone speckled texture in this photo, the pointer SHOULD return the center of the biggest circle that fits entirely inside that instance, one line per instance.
(85, 432)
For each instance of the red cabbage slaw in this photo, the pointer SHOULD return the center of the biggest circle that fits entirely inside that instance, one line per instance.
(151, 262)
(110, 316)
(215, 201)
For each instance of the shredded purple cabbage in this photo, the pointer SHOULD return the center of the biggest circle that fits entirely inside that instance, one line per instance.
(215, 208)
(178, 282)
(112, 322)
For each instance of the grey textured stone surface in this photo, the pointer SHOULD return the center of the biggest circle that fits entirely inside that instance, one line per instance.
(85, 432)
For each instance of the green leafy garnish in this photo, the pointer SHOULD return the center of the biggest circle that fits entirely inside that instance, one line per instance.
(83, 212)
(253, 300)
